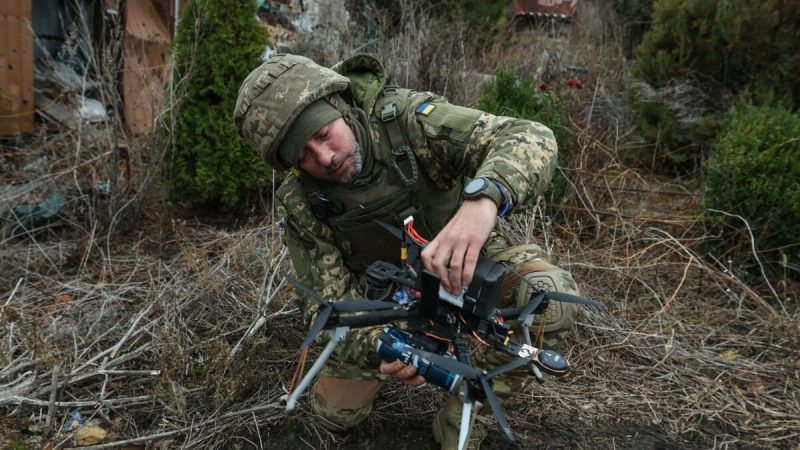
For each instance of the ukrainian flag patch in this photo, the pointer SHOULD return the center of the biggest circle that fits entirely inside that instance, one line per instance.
(426, 108)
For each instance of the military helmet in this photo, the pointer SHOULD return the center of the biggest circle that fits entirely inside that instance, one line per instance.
(274, 95)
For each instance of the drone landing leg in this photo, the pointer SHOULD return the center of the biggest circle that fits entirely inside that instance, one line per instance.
(338, 334)
(466, 423)
(462, 353)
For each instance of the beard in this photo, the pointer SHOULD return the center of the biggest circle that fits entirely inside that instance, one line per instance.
(357, 164)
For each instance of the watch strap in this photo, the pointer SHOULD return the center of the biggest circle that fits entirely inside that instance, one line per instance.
(494, 191)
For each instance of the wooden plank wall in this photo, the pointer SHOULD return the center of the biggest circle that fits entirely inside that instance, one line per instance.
(16, 67)
(146, 50)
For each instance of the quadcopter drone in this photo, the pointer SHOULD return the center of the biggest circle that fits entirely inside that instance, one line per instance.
(435, 325)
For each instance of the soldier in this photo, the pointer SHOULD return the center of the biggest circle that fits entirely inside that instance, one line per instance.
(357, 150)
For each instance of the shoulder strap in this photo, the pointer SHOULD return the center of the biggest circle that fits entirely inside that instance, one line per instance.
(402, 159)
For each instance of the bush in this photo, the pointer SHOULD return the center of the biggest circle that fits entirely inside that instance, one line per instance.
(508, 95)
(716, 51)
(755, 173)
(218, 44)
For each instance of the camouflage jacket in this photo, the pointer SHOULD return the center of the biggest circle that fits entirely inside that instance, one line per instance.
(450, 142)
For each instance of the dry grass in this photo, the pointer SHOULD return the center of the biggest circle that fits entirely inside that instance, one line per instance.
(687, 344)
(183, 333)
(175, 333)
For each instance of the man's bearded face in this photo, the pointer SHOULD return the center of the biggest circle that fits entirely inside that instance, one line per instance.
(332, 153)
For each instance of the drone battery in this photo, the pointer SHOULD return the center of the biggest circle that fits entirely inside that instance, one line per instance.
(482, 294)
(393, 345)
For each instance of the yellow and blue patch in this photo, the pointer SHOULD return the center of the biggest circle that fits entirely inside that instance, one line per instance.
(426, 108)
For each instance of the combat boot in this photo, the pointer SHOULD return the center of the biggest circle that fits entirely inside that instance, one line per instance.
(446, 426)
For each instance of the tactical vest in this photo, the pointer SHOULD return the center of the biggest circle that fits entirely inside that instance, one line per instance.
(399, 188)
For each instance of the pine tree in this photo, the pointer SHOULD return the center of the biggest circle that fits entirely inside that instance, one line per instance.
(218, 43)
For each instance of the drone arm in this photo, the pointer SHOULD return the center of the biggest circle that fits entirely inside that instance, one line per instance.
(371, 319)
(338, 334)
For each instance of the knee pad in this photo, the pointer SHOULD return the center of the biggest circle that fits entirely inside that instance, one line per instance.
(545, 276)
(541, 275)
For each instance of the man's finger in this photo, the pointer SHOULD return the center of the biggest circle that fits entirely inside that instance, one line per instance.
(457, 268)
(391, 368)
(440, 265)
(406, 372)
(470, 262)
(428, 253)
(415, 382)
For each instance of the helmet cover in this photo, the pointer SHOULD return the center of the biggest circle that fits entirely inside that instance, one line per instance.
(274, 95)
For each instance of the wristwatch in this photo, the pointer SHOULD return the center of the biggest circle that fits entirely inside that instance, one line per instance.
(486, 187)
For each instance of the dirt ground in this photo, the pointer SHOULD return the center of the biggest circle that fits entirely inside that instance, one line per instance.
(555, 434)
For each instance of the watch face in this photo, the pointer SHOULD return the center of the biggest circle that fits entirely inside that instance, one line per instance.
(475, 186)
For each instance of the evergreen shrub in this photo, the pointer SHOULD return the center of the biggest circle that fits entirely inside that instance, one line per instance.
(509, 95)
(755, 173)
(700, 56)
(218, 43)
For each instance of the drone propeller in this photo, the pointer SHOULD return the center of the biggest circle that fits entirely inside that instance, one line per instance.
(327, 308)
(363, 306)
(553, 295)
(526, 314)
(569, 298)
(482, 377)
(318, 326)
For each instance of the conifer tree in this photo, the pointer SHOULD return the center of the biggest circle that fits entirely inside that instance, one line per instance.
(218, 43)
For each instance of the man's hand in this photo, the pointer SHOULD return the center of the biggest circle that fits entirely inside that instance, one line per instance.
(406, 374)
(453, 255)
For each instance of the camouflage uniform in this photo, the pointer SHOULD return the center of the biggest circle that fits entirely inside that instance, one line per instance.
(449, 142)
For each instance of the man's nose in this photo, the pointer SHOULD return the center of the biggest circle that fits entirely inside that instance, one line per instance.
(323, 154)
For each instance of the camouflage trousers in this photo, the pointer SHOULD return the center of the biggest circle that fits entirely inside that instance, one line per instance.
(344, 393)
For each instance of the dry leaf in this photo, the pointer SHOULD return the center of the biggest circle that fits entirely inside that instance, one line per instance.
(729, 355)
(62, 302)
(755, 387)
(90, 435)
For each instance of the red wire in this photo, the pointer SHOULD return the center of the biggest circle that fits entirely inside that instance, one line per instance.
(298, 368)
(413, 234)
